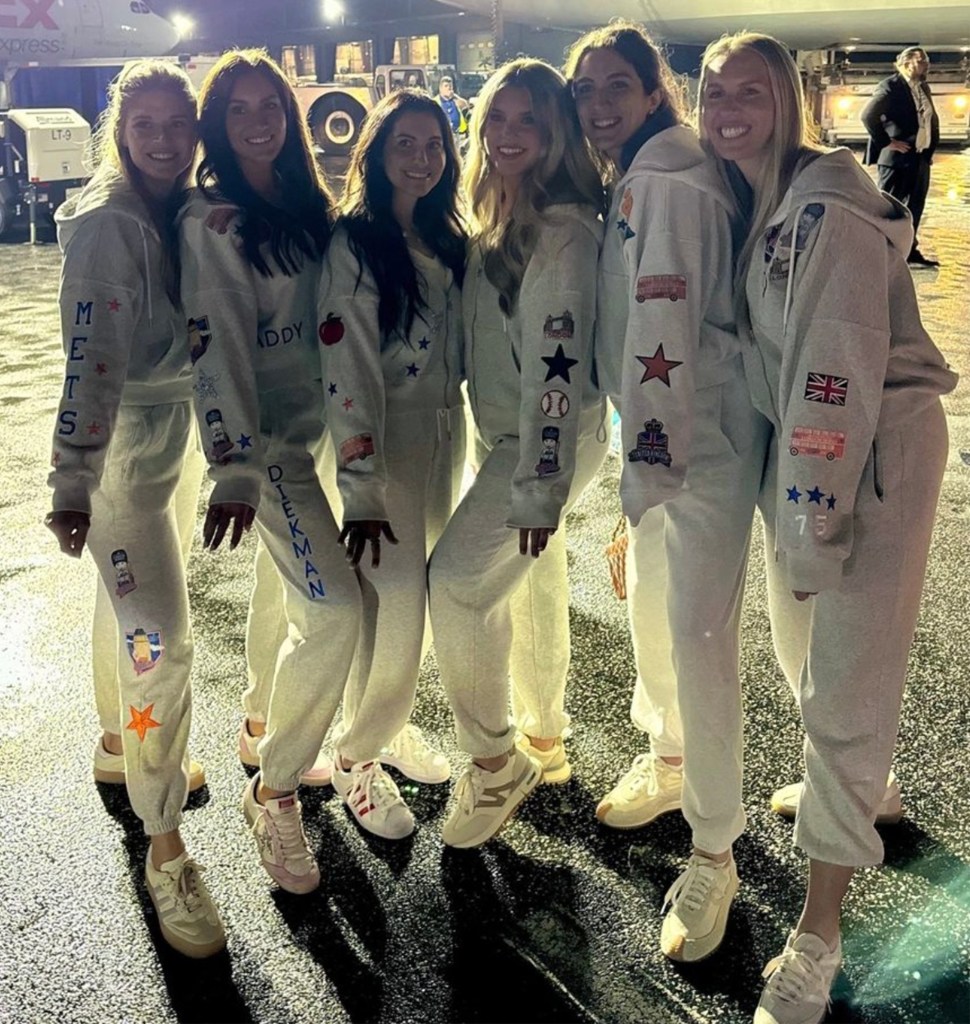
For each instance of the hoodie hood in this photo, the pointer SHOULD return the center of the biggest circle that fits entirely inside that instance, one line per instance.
(836, 178)
(103, 189)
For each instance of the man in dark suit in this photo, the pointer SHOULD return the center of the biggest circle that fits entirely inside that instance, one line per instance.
(904, 130)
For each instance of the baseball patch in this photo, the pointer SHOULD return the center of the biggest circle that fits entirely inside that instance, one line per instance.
(554, 404)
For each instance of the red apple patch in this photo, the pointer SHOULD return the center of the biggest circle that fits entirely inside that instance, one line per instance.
(331, 330)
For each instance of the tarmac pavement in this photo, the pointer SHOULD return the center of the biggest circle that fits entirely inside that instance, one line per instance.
(556, 920)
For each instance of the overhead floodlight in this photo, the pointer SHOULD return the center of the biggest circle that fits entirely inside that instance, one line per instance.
(184, 25)
(332, 10)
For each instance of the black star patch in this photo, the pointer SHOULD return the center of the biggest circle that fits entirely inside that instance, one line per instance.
(559, 365)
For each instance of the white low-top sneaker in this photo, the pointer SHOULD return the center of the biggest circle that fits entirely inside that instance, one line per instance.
(554, 761)
(187, 916)
(799, 982)
(277, 827)
(784, 801)
(650, 788)
(318, 775)
(699, 903)
(412, 755)
(374, 800)
(110, 768)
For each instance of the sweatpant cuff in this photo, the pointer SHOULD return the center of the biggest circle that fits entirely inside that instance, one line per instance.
(492, 747)
(280, 783)
(163, 825)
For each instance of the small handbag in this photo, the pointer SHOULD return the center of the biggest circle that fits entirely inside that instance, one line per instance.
(616, 558)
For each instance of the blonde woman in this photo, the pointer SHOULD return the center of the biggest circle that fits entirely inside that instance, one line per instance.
(849, 372)
(125, 466)
(499, 590)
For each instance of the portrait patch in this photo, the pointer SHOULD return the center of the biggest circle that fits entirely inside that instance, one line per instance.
(827, 444)
(144, 648)
(554, 404)
(199, 337)
(355, 448)
(124, 580)
(562, 326)
(651, 445)
(661, 286)
(549, 452)
(827, 389)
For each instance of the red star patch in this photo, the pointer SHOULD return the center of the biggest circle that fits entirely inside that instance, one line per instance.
(658, 365)
(348, 404)
(142, 721)
(94, 427)
(114, 305)
(101, 369)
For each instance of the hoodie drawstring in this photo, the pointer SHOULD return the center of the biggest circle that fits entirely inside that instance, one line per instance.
(148, 282)
(790, 285)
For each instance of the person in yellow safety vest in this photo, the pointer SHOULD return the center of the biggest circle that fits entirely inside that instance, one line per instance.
(453, 105)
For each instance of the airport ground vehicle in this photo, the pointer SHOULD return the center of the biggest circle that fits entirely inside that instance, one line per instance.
(41, 161)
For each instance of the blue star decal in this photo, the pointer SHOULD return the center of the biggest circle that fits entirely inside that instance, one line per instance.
(815, 495)
(559, 365)
(423, 344)
(244, 441)
(625, 230)
(794, 494)
(413, 370)
(830, 501)
(332, 389)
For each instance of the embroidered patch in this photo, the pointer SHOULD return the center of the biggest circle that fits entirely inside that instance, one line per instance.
(244, 441)
(94, 427)
(331, 330)
(823, 387)
(413, 370)
(559, 365)
(661, 286)
(114, 305)
(807, 220)
(142, 721)
(814, 496)
(561, 326)
(355, 448)
(221, 443)
(828, 444)
(100, 369)
(625, 230)
(423, 344)
(144, 648)
(626, 203)
(794, 494)
(205, 384)
(199, 337)
(554, 404)
(658, 366)
(124, 580)
(331, 389)
(549, 452)
(347, 403)
(651, 445)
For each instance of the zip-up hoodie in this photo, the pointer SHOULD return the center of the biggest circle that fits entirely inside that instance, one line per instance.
(121, 334)
(665, 326)
(530, 374)
(838, 355)
(252, 342)
(370, 380)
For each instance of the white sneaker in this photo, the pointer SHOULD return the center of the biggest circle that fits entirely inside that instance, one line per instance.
(699, 902)
(784, 801)
(277, 827)
(186, 914)
(374, 799)
(412, 755)
(554, 763)
(650, 788)
(485, 801)
(318, 775)
(110, 768)
(799, 982)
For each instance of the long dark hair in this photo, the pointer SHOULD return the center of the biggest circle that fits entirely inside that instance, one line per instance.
(366, 212)
(300, 227)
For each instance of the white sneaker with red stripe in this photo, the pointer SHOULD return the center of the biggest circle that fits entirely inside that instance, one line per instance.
(374, 799)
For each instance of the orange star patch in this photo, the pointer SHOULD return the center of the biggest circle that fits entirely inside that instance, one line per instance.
(142, 721)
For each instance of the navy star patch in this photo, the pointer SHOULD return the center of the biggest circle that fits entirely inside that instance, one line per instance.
(332, 389)
(559, 365)
(423, 344)
(413, 370)
(830, 501)
(794, 494)
(245, 441)
(625, 230)
(815, 495)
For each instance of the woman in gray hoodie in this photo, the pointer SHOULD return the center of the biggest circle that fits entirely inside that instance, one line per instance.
(125, 464)
(850, 381)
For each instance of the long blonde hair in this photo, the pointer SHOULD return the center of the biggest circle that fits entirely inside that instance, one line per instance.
(563, 174)
(794, 139)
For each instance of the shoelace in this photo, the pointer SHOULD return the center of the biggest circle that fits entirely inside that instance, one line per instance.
(410, 744)
(376, 787)
(469, 789)
(692, 888)
(788, 975)
(289, 833)
(187, 887)
(643, 773)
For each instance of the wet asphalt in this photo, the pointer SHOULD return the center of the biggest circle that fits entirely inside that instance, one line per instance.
(556, 920)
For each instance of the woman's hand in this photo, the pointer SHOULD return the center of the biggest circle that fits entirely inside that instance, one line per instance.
(538, 536)
(357, 533)
(218, 520)
(803, 595)
(70, 529)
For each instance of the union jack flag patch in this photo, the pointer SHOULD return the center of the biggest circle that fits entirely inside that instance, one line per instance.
(823, 387)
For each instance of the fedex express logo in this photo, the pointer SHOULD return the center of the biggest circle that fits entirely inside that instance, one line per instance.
(36, 13)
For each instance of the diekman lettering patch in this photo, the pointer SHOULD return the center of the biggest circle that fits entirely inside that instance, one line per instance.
(826, 388)
(661, 286)
(827, 444)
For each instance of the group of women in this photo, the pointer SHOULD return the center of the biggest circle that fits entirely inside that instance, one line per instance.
(705, 282)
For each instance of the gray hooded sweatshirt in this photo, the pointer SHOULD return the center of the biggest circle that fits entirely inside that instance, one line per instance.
(837, 353)
(122, 336)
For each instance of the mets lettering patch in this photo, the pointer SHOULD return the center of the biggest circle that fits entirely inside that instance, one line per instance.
(823, 387)
(661, 286)
(828, 444)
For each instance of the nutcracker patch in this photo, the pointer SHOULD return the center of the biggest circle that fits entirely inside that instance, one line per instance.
(124, 580)
(221, 442)
(549, 452)
(651, 445)
(826, 444)
(144, 648)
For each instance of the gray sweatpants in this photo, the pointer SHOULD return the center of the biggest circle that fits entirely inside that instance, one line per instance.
(489, 603)
(141, 517)
(685, 583)
(844, 652)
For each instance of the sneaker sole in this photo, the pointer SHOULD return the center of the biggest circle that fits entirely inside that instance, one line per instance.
(196, 779)
(557, 776)
(297, 884)
(603, 810)
(692, 951)
(180, 944)
(887, 818)
(528, 786)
